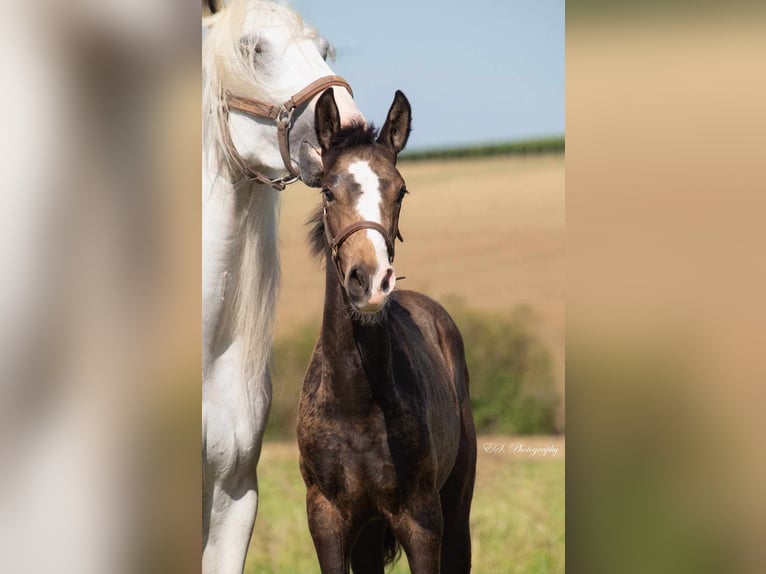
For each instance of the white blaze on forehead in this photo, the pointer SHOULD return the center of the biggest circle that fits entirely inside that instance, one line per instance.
(368, 208)
(368, 204)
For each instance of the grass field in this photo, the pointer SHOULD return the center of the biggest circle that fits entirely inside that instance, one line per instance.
(517, 517)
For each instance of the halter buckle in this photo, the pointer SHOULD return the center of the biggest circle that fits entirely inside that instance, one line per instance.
(285, 115)
(285, 181)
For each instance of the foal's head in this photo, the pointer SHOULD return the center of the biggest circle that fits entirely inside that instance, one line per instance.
(362, 193)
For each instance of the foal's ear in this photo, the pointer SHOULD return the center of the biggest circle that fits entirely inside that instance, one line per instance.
(396, 130)
(326, 119)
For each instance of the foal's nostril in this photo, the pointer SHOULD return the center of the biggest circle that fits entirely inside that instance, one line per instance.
(386, 283)
(357, 282)
(358, 275)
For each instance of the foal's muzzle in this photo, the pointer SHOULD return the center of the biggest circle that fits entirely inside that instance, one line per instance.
(368, 291)
(366, 288)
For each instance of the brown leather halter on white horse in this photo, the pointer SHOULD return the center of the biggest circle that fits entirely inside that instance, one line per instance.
(282, 115)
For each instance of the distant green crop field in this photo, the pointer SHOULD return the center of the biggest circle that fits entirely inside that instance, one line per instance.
(533, 146)
(517, 517)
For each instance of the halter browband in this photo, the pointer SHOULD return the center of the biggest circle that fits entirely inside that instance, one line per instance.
(336, 241)
(281, 114)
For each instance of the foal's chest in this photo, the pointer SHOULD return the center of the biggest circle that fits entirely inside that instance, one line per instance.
(362, 460)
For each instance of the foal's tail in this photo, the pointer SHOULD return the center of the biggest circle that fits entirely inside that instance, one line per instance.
(391, 548)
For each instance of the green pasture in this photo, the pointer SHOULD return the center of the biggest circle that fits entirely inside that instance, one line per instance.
(517, 518)
(554, 144)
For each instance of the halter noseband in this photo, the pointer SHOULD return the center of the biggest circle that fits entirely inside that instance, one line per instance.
(348, 231)
(281, 114)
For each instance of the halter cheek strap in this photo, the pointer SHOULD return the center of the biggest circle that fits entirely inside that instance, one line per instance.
(282, 115)
(335, 242)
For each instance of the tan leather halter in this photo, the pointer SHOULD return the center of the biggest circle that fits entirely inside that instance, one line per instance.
(282, 115)
(336, 241)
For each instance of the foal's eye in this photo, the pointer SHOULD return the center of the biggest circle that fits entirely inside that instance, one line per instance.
(402, 193)
(327, 194)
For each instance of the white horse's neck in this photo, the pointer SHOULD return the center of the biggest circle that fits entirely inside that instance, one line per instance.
(240, 230)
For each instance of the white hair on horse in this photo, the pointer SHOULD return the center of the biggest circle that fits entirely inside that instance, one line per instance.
(232, 64)
(230, 61)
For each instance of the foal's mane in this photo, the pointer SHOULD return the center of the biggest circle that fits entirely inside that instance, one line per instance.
(349, 137)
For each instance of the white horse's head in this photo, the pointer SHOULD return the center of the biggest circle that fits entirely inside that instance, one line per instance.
(264, 51)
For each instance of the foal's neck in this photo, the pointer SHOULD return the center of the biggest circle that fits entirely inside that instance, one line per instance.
(356, 355)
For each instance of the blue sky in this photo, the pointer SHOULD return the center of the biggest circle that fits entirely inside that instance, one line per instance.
(481, 71)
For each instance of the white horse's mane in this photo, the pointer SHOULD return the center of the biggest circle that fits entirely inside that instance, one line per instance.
(227, 65)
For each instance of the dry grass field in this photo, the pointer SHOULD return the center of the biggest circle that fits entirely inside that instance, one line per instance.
(488, 231)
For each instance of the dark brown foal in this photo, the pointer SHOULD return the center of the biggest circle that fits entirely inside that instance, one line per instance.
(385, 430)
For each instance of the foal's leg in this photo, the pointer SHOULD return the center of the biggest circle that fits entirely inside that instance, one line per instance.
(331, 532)
(456, 497)
(367, 555)
(418, 529)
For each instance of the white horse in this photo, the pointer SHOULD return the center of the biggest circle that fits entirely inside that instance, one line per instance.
(256, 55)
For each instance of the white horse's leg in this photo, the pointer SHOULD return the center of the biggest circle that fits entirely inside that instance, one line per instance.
(234, 415)
(231, 525)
